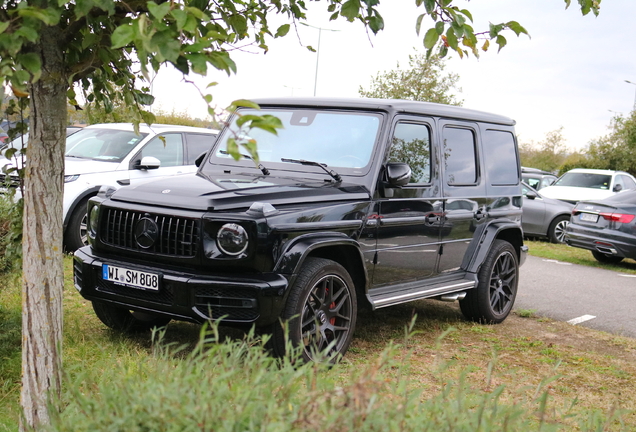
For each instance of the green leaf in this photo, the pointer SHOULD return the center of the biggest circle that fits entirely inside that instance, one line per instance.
(494, 30)
(144, 98)
(430, 39)
(238, 23)
(451, 39)
(418, 23)
(439, 27)
(158, 11)
(516, 27)
(282, 30)
(4, 26)
(376, 23)
(501, 41)
(350, 9)
(429, 5)
(28, 33)
(122, 36)
(467, 13)
(148, 117)
(247, 118)
(233, 148)
(31, 62)
(245, 104)
(181, 17)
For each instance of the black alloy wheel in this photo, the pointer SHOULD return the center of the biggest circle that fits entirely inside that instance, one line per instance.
(492, 300)
(320, 311)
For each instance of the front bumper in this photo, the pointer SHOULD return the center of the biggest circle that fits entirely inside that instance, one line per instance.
(187, 296)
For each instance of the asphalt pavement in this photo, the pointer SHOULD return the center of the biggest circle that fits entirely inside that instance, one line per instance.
(586, 296)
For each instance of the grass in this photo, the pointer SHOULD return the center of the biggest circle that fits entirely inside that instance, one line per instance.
(565, 253)
(584, 371)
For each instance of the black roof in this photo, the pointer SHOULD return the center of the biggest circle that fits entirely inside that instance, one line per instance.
(395, 105)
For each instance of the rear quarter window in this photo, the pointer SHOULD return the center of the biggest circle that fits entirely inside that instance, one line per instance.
(500, 155)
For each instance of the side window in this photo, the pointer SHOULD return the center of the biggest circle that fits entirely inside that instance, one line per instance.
(169, 153)
(501, 159)
(460, 158)
(628, 183)
(619, 181)
(412, 144)
(533, 182)
(197, 144)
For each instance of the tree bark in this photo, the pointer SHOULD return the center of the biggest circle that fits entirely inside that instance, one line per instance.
(42, 265)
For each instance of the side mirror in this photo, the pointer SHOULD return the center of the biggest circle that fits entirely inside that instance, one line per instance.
(618, 188)
(398, 174)
(148, 163)
(531, 194)
(199, 160)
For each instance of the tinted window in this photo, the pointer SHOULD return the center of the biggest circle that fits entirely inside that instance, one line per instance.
(628, 183)
(586, 180)
(501, 158)
(412, 145)
(170, 152)
(533, 182)
(460, 159)
(197, 144)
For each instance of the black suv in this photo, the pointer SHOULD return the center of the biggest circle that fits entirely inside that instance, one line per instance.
(355, 202)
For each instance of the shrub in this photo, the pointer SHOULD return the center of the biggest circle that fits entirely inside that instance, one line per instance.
(234, 385)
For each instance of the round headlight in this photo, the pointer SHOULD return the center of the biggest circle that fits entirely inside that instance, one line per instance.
(232, 239)
(92, 220)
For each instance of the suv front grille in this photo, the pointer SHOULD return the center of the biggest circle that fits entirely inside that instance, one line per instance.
(176, 236)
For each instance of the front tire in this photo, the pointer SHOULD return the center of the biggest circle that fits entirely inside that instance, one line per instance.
(126, 321)
(492, 300)
(320, 312)
(605, 258)
(556, 232)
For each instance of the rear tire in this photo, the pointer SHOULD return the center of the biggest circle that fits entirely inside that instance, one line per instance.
(320, 313)
(556, 232)
(605, 258)
(127, 321)
(75, 235)
(492, 300)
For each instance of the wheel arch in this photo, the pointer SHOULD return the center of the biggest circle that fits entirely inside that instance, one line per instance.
(85, 194)
(337, 247)
(508, 231)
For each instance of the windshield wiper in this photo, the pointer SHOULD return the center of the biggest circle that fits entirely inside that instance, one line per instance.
(332, 173)
(260, 166)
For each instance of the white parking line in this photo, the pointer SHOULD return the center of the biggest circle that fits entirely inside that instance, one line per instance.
(581, 319)
(624, 275)
(556, 262)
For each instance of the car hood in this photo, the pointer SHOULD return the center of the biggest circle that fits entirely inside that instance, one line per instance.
(575, 194)
(75, 166)
(234, 192)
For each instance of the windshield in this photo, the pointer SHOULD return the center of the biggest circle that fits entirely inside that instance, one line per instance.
(343, 141)
(102, 144)
(585, 180)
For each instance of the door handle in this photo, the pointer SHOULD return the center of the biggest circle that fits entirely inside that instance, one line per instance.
(432, 218)
(479, 214)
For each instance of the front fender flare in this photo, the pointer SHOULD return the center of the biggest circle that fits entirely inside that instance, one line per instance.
(506, 230)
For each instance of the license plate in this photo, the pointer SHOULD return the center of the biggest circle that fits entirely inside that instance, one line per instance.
(587, 217)
(131, 278)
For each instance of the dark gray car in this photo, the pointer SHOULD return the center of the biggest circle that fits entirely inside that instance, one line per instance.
(543, 216)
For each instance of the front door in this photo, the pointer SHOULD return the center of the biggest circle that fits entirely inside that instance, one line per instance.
(409, 222)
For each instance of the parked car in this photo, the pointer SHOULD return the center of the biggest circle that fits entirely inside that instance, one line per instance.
(351, 204)
(581, 184)
(606, 227)
(22, 141)
(3, 136)
(113, 155)
(536, 178)
(544, 217)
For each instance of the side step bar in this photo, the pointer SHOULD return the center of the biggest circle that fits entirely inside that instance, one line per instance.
(447, 291)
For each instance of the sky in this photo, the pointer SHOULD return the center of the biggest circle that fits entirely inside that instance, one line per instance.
(569, 73)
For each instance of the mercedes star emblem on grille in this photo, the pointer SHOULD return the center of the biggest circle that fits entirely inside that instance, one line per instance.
(146, 232)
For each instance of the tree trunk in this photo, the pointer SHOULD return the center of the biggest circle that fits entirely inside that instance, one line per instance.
(43, 273)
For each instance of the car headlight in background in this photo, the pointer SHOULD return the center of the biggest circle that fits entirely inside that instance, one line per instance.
(70, 178)
(93, 217)
(232, 239)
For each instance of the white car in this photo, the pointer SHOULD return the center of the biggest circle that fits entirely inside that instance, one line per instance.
(114, 155)
(589, 184)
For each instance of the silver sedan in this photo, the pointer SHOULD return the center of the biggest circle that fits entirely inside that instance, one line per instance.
(543, 216)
